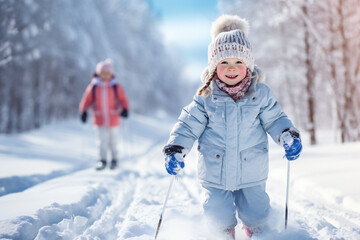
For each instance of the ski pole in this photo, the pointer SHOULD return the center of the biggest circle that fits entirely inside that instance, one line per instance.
(129, 137)
(84, 142)
(287, 194)
(82, 151)
(122, 140)
(126, 139)
(163, 210)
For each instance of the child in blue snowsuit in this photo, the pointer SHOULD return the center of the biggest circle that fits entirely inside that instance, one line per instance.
(230, 117)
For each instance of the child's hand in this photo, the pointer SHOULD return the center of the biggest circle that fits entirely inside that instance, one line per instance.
(124, 113)
(83, 117)
(291, 141)
(174, 158)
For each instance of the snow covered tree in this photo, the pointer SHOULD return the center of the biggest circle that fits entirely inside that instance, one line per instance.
(344, 16)
(309, 51)
(338, 60)
(49, 50)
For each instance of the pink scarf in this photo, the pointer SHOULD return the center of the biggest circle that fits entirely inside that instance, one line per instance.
(237, 90)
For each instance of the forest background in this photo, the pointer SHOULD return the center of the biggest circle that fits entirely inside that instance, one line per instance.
(309, 51)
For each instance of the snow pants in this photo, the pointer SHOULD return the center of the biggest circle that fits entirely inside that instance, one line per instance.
(252, 205)
(107, 140)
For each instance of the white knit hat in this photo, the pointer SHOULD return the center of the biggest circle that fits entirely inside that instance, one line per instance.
(229, 40)
(105, 65)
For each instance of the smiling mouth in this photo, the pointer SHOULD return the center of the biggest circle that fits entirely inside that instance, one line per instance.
(231, 76)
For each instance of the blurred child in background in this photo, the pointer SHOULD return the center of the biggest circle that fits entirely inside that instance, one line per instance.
(108, 101)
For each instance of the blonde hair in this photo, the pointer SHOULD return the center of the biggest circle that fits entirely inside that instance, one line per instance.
(204, 91)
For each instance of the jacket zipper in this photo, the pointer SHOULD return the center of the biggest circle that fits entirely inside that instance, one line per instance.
(104, 101)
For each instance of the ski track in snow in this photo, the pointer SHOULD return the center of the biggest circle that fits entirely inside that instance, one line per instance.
(313, 209)
(126, 203)
(324, 218)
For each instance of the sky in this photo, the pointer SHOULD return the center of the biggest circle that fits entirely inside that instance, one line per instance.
(186, 27)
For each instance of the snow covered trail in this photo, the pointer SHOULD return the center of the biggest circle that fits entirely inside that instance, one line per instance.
(324, 190)
(49, 189)
(38, 156)
(79, 203)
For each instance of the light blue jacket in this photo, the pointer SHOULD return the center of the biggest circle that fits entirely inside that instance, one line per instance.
(232, 140)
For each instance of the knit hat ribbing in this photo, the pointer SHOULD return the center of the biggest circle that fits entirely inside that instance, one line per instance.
(229, 40)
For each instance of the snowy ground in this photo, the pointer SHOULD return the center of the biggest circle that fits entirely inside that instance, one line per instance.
(49, 189)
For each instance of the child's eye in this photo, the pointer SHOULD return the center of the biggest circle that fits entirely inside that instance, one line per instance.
(239, 62)
(224, 62)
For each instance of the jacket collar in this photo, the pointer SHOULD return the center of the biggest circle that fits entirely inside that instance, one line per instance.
(97, 81)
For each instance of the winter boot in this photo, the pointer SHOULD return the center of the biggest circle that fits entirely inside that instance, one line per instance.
(113, 164)
(101, 164)
(248, 232)
(230, 233)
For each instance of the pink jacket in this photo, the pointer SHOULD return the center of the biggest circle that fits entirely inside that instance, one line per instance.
(106, 107)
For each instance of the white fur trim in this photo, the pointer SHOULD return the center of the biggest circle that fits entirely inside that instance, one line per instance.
(205, 75)
(259, 75)
(97, 81)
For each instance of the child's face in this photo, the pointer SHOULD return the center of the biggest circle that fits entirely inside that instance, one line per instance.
(231, 71)
(105, 76)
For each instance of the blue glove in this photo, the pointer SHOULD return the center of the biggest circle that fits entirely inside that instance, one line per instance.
(290, 139)
(174, 158)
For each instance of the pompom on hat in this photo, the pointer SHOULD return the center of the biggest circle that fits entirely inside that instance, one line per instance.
(229, 40)
(105, 65)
